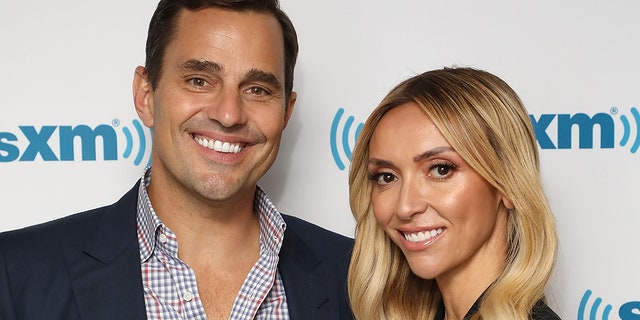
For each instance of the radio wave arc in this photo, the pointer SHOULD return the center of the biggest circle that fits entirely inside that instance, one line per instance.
(627, 130)
(594, 308)
(344, 139)
(129, 140)
(636, 116)
(129, 147)
(333, 140)
(143, 142)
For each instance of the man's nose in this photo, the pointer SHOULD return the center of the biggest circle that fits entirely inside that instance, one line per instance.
(227, 108)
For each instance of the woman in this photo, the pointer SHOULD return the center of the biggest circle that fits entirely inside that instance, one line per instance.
(452, 221)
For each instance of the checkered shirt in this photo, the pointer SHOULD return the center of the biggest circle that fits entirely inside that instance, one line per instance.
(170, 288)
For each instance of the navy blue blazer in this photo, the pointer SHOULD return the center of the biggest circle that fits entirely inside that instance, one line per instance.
(87, 266)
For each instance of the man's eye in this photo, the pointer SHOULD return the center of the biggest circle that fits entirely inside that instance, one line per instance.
(258, 91)
(198, 82)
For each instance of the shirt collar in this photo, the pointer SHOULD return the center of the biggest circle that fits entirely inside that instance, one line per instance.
(272, 225)
(148, 221)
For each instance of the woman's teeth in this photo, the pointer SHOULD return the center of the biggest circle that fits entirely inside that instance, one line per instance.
(422, 235)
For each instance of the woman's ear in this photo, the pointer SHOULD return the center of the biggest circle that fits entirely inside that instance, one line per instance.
(507, 203)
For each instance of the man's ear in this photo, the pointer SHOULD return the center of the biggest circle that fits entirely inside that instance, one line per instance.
(290, 105)
(143, 96)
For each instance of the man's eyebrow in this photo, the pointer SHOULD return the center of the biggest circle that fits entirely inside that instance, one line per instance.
(201, 65)
(255, 75)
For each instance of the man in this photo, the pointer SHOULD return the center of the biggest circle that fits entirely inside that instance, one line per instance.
(195, 238)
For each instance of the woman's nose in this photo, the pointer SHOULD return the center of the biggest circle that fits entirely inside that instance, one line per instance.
(412, 199)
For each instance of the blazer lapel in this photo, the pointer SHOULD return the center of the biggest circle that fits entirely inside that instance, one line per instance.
(302, 275)
(105, 275)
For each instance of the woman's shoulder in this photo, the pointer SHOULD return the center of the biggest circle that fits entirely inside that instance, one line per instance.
(541, 311)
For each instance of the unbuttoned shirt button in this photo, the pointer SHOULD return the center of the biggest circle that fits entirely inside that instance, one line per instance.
(187, 296)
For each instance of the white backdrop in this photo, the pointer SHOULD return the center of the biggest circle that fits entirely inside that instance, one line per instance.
(69, 64)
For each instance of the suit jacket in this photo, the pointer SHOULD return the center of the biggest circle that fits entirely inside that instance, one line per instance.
(87, 266)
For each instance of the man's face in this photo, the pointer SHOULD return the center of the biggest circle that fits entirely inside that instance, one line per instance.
(219, 108)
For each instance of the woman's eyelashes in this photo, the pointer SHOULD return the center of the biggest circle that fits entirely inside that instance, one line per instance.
(441, 169)
(382, 178)
(436, 169)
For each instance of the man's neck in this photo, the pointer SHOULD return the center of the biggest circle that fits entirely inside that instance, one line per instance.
(203, 227)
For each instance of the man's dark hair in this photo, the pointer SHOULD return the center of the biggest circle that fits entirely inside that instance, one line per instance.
(163, 24)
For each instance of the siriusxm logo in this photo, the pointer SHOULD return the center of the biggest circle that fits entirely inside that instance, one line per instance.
(565, 124)
(628, 311)
(553, 131)
(72, 141)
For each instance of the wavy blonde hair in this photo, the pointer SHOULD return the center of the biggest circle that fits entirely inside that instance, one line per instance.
(486, 123)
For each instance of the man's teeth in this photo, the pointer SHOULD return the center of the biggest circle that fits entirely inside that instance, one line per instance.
(218, 145)
(422, 235)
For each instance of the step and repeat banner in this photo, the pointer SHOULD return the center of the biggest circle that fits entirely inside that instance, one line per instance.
(70, 139)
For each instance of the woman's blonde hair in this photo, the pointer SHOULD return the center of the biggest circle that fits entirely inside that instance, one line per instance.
(486, 123)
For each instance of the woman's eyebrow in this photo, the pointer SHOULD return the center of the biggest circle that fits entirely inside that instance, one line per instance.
(430, 153)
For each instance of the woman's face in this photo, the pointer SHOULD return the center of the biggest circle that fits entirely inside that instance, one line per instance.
(442, 214)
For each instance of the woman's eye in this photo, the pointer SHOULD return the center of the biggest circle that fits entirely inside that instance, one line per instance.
(383, 178)
(441, 171)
